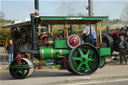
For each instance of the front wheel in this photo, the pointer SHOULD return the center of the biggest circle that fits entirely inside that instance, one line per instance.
(24, 70)
(84, 59)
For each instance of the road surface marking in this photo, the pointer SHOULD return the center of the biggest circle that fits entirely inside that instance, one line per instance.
(95, 82)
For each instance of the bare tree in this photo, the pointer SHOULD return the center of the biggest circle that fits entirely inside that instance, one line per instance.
(124, 14)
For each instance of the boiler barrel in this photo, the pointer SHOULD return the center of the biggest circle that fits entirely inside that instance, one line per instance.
(51, 53)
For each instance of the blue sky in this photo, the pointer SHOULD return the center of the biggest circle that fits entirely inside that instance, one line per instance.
(20, 9)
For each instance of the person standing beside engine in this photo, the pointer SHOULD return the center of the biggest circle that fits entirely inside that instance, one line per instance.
(123, 45)
(126, 38)
(10, 51)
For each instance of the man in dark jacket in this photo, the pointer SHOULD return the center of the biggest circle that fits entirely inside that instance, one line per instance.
(123, 45)
(10, 51)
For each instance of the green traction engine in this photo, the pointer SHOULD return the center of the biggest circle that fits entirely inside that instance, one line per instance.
(69, 51)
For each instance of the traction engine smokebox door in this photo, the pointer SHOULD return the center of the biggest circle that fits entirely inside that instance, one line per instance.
(60, 44)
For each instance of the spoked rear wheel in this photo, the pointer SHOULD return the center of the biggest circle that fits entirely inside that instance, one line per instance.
(24, 70)
(84, 59)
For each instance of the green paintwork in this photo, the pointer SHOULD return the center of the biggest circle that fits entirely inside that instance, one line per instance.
(104, 51)
(83, 59)
(60, 44)
(56, 53)
(73, 18)
(41, 53)
(102, 62)
(47, 53)
(20, 67)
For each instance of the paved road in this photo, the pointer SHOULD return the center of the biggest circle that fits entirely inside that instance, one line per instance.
(61, 77)
(108, 82)
(3, 55)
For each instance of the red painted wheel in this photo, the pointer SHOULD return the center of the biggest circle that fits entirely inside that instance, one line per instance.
(73, 41)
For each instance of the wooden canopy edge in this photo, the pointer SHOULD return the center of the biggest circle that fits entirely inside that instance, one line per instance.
(17, 24)
(71, 19)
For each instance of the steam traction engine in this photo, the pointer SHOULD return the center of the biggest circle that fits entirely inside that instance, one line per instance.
(70, 52)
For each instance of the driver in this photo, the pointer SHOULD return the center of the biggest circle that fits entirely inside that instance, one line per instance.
(88, 33)
(44, 37)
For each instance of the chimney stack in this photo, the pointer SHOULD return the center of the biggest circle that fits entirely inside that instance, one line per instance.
(37, 7)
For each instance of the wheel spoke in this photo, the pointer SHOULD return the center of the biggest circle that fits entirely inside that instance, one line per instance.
(76, 58)
(81, 52)
(87, 66)
(79, 66)
(22, 71)
(87, 54)
(89, 51)
(16, 71)
(90, 59)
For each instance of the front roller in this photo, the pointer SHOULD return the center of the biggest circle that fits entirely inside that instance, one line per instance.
(21, 71)
(84, 59)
